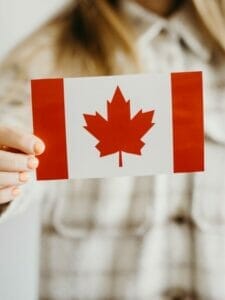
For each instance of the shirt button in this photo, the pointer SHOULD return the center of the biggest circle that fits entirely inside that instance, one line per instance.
(181, 219)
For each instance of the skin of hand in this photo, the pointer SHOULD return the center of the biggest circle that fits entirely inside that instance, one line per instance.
(17, 158)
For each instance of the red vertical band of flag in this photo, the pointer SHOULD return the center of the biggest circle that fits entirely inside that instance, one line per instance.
(49, 124)
(188, 131)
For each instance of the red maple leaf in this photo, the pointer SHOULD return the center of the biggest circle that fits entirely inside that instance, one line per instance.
(119, 132)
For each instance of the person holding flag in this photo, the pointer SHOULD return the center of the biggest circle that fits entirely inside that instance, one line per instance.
(145, 237)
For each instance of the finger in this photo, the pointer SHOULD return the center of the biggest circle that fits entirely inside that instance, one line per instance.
(17, 139)
(16, 162)
(8, 194)
(13, 178)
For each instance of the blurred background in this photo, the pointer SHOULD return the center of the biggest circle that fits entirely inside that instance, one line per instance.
(19, 259)
(19, 18)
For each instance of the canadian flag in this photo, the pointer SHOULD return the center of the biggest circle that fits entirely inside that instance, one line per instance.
(119, 125)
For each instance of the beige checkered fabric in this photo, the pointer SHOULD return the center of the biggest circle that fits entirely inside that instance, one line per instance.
(145, 238)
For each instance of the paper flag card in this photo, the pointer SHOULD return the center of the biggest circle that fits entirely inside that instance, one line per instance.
(125, 125)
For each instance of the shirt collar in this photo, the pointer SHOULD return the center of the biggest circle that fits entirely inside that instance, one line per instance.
(183, 24)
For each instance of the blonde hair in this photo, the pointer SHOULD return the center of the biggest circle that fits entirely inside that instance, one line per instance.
(212, 13)
(94, 30)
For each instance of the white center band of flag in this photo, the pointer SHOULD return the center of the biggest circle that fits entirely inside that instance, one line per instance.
(126, 125)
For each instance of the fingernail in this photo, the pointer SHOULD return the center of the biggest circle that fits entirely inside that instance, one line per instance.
(15, 192)
(23, 176)
(39, 147)
(32, 162)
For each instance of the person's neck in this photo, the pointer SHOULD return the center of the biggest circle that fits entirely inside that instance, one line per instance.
(160, 7)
